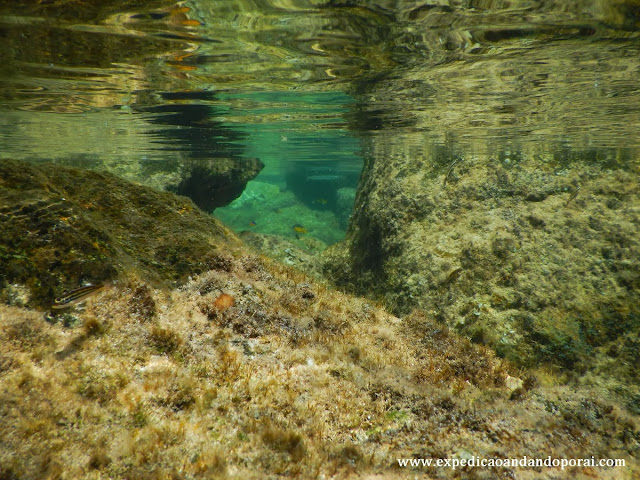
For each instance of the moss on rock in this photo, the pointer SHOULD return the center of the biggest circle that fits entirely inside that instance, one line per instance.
(289, 379)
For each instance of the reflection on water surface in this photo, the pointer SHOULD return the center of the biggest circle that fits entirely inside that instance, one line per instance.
(284, 90)
(156, 92)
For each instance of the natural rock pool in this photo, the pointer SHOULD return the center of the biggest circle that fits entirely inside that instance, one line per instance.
(458, 181)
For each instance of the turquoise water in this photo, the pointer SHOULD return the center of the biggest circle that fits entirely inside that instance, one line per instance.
(148, 90)
(312, 164)
(150, 93)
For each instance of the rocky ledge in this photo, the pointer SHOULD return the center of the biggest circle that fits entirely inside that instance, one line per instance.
(204, 360)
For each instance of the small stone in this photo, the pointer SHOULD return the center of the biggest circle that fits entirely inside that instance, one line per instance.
(513, 383)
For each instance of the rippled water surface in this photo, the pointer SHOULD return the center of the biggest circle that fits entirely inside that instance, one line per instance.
(142, 88)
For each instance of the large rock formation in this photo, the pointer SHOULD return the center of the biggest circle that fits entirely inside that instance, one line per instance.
(218, 182)
(505, 203)
(62, 227)
(538, 260)
(248, 370)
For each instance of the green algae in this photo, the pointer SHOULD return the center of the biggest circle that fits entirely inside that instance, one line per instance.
(545, 276)
(292, 380)
(64, 227)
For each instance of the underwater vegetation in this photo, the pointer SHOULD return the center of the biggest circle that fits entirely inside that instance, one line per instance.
(251, 369)
(537, 260)
(63, 227)
(484, 302)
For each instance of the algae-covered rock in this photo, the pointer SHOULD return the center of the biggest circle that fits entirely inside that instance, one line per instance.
(302, 253)
(538, 259)
(345, 197)
(62, 227)
(249, 369)
(294, 380)
(218, 182)
(500, 190)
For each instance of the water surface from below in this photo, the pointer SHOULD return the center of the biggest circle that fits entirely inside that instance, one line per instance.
(151, 92)
(156, 92)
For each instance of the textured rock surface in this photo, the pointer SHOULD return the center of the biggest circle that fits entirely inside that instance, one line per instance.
(285, 378)
(538, 258)
(62, 227)
(218, 182)
(500, 191)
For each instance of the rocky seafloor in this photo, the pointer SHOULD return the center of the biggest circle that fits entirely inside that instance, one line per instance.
(506, 208)
(535, 256)
(203, 359)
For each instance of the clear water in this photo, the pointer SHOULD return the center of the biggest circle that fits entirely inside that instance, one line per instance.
(141, 90)
(141, 93)
(324, 92)
(312, 164)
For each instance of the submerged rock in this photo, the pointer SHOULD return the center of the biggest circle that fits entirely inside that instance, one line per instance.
(249, 369)
(63, 227)
(488, 204)
(539, 260)
(218, 182)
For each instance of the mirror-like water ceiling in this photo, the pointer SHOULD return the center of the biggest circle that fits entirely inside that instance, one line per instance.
(202, 97)
(196, 98)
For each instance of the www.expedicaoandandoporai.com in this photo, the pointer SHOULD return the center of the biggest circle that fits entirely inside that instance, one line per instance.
(521, 462)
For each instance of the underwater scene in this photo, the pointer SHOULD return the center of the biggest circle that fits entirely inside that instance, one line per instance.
(319, 239)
